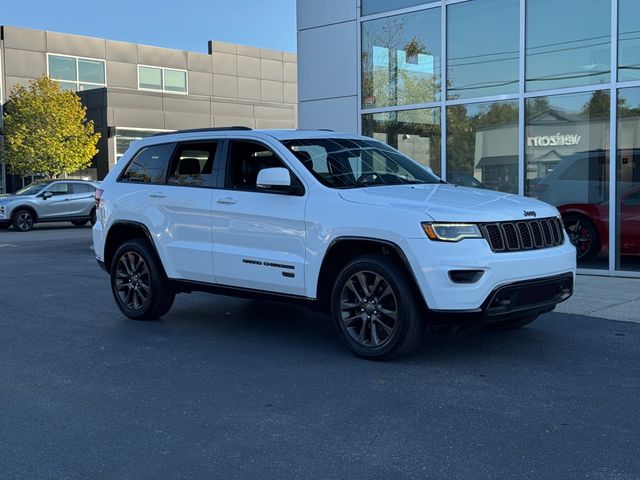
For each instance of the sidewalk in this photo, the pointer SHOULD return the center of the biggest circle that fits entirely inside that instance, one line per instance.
(614, 298)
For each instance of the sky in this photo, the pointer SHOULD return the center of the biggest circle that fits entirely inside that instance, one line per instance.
(181, 24)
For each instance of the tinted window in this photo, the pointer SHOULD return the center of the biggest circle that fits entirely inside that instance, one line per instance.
(90, 71)
(354, 163)
(401, 59)
(62, 68)
(482, 48)
(149, 165)
(150, 77)
(568, 43)
(370, 7)
(82, 188)
(628, 40)
(192, 164)
(62, 188)
(175, 80)
(246, 159)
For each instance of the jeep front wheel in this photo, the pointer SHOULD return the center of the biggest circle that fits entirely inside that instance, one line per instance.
(375, 308)
(139, 285)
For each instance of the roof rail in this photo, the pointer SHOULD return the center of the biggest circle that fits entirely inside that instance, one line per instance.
(197, 130)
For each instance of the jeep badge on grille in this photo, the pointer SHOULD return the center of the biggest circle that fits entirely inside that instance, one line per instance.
(529, 213)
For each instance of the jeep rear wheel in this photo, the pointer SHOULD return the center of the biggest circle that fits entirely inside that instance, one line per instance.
(375, 309)
(139, 285)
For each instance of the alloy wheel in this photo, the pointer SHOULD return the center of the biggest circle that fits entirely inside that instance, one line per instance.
(133, 281)
(580, 236)
(25, 221)
(369, 309)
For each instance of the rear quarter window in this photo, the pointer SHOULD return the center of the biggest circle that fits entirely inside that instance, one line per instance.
(149, 165)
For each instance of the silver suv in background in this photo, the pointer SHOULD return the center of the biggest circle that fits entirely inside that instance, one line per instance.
(49, 201)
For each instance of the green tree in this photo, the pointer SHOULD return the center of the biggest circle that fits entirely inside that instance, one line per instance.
(46, 130)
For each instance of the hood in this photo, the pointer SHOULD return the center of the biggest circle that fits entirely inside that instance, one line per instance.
(450, 203)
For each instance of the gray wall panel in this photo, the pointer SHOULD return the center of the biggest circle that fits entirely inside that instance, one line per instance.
(200, 83)
(313, 13)
(25, 39)
(162, 57)
(120, 74)
(76, 45)
(122, 51)
(199, 62)
(174, 103)
(24, 63)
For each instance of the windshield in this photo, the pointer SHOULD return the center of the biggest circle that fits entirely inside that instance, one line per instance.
(354, 163)
(32, 189)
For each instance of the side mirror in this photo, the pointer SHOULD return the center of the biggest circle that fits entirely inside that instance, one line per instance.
(47, 195)
(276, 179)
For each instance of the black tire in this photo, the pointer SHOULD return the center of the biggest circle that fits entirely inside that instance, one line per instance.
(23, 220)
(512, 324)
(134, 282)
(379, 335)
(92, 218)
(583, 235)
(79, 223)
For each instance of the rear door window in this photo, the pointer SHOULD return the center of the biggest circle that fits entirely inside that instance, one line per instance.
(193, 164)
(149, 165)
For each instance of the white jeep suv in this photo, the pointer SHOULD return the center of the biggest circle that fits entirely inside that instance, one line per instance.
(341, 222)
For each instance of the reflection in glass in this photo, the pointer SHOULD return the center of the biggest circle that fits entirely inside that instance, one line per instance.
(482, 48)
(568, 43)
(124, 137)
(628, 180)
(416, 133)
(401, 59)
(175, 80)
(150, 78)
(370, 7)
(567, 165)
(628, 40)
(91, 71)
(62, 68)
(482, 145)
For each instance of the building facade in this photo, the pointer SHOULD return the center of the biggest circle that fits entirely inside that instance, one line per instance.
(132, 91)
(535, 97)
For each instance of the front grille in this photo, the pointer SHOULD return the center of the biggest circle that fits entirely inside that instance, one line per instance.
(530, 294)
(523, 235)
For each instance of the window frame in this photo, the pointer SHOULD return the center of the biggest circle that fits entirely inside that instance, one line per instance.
(162, 70)
(224, 166)
(214, 176)
(134, 156)
(77, 80)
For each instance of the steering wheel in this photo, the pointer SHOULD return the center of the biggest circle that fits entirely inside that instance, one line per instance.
(373, 175)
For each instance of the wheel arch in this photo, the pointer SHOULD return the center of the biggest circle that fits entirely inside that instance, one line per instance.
(25, 207)
(344, 249)
(121, 231)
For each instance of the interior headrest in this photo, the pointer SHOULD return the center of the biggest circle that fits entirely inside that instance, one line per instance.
(189, 166)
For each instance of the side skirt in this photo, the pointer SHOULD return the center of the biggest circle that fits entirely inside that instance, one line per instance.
(186, 286)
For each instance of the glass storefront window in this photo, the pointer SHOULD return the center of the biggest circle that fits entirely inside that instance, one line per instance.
(568, 43)
(482, 48)
(150, 78)
(125, 136)
(416, 133)
(482, 145)
(369, 7)
(567, 165)
(62, 68)
(401, 59)
(628, 180)
(175, 80)
(90, 71)
(628, 40)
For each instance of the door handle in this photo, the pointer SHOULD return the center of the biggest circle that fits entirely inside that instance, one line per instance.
(157, 195)
(227, 201)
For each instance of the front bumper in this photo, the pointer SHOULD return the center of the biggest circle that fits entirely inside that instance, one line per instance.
(513, 300)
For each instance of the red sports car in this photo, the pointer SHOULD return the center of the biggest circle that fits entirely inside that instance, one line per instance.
(588, 225)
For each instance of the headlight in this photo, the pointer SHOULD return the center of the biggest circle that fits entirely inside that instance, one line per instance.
(451, 232)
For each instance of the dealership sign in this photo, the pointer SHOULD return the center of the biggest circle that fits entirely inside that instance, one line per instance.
(557, 140)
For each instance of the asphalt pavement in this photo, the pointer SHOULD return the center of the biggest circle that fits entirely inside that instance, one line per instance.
(228, 388)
